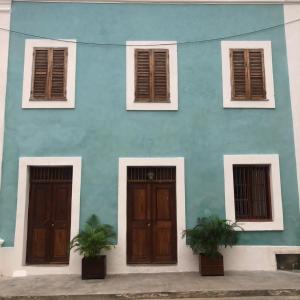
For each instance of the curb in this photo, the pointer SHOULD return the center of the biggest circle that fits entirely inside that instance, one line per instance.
(163, 295)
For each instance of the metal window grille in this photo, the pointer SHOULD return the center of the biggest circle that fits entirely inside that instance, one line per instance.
(252, 192)
(159, 174)
(46, 174)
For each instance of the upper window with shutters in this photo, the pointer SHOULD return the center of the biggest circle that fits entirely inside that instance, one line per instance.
(49, 74)
(247, 74)
(151, 70)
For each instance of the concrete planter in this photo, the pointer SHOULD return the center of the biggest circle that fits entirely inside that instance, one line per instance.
(94, 267)
(211, 266)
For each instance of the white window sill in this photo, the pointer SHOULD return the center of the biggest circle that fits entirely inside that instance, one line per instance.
(268, 103)
(48, 104)
(261, 226)
(152, 106)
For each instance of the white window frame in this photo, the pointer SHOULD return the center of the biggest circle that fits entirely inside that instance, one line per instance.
(226, 74)
(30, 44)
(130, 75)
(276, 201)
(20, 244)
(5, 11)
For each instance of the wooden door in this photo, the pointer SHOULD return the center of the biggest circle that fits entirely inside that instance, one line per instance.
(151, 221)
(163, 223)
(139, 218)
(49, 215)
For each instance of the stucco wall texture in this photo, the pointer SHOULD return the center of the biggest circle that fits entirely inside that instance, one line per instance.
(101, 130)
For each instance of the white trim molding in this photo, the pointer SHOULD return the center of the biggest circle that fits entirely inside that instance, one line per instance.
(276, 202)
(20, 268)
(226, 74)
(292, 32)
(130, 75)
(255, 258)
(5, 5)
(5, 8)
(117, 257)
(172, 1)
(237, 258)
(30, 44)
(4, 42)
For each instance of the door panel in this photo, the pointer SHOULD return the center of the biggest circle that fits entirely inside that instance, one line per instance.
(164, 223)
(151, 223)
(38, 223)
(140, 245)
(162, 199)
(61, 222)
(39, 245)
(42, 204)
(49, 214)
(139, 204)
(138, 231)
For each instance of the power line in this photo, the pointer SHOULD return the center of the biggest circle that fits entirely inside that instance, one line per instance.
(156, 44)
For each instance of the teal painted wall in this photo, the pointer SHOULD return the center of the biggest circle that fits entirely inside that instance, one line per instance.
(101, 130)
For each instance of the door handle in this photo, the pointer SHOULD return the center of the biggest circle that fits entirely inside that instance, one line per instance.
(52, 225)
(149, 224)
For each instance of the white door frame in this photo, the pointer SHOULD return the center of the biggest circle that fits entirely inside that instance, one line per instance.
(117, 259)
(20, 244)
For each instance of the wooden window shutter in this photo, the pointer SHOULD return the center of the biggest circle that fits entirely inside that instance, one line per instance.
(152, 75)
(256, 74)
(142, 74)
(238, 74)
(59, 72)
(49, 74)
(40, 74)
(161, 75)
(247, 74)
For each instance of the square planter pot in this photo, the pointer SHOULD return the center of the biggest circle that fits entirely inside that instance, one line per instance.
(93, 267)
(211, 266)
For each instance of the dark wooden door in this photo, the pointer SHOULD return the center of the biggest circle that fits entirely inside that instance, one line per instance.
(49, 215)
(151, 222)
(164, 242)
(139, 218)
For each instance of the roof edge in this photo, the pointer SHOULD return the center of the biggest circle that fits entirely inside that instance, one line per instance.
(5, 5)
(170, 1)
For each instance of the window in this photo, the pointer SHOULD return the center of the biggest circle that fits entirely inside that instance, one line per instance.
(247, 74)
(253, 191)
(151, 75)
(49, 74)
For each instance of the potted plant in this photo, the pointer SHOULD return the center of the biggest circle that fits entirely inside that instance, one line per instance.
(90, 242)
(206, 238)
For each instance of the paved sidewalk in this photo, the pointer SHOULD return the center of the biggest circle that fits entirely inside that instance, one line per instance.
(152, 286)
(243, 298)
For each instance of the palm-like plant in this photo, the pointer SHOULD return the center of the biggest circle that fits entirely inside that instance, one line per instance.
(93, 238)
(209, 234)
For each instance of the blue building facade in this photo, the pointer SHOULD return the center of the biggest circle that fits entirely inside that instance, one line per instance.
(101, 131)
